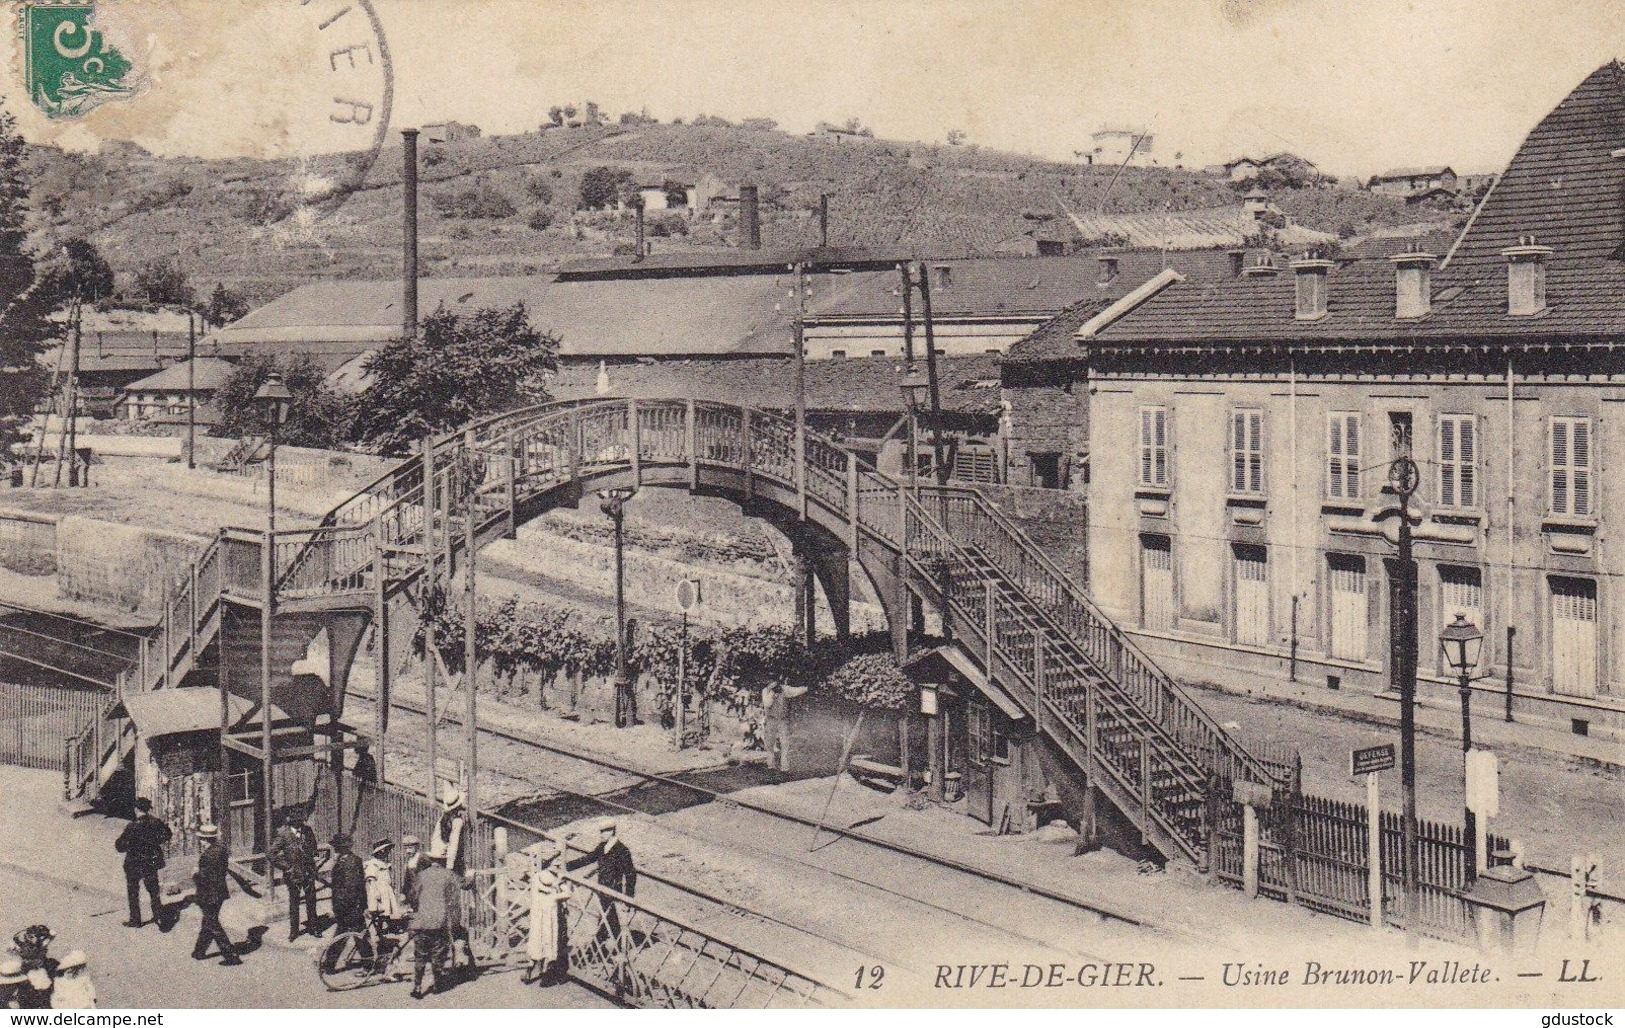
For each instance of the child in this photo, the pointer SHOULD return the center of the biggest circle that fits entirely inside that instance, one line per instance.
(74, 989)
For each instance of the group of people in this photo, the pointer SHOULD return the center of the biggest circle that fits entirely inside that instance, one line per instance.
(429, 906)
(32, 979)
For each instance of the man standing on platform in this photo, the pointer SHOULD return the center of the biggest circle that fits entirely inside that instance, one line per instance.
(210, 896)
(433, 899)
(348, 882)
(294, 854)
(615, 870)
(142, 842)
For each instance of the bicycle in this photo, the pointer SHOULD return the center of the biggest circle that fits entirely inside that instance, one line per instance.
(354, 959)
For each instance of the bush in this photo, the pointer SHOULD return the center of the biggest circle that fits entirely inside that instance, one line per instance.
(481, 201)
(541, 219)
(539, 190)
(603, 187)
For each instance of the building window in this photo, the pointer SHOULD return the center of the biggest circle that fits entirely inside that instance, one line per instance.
(1154, 447)
(1247, 451)
(1157, 583)
(1571, 466)
(1458, 457)
(837, 354)
(1343, 456)
(1574, 636)
(877, 353)
(1348, 606)
(1047, 470)
(1401, 440)
(1251, 614)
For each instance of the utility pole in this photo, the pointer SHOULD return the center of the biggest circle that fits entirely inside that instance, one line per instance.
(429, 591)
(800, 297)
(191, 391)
(470, 620)
(938, 461)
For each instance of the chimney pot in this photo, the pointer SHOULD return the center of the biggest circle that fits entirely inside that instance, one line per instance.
(1310, 279)
(1263, 267)
(1108, 268)
(1526, 277)
(1413, 283)
(1238, 262)
(945, 276)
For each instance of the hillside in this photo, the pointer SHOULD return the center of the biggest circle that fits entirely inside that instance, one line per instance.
(506, 204)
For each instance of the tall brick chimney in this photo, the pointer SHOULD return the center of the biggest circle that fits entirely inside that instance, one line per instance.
(750, 218)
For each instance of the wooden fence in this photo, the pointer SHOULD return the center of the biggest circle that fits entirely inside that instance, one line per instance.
(1313, 853)
(36, 722)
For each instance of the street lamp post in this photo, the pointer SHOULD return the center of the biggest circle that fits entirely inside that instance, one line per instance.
(613, 503)
(1463, 643)
(1403, 478)
(272, 400)
(191, 389)
(914, 387)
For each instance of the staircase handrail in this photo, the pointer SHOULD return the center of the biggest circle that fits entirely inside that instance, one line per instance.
(1115, 632)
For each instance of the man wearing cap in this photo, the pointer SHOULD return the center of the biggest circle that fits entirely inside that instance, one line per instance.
(294, 854)
(381, 898)
(210, 896)
(450, 833)
(433, 902)
(348, 882)
(615, 869)
(365, 769)
(142, 842)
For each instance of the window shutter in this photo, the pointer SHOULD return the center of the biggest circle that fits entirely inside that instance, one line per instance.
(1255, 469)
(1468, 446)
(1447, 462)
(1580, 465)
(1560, 463)
(1334, 455)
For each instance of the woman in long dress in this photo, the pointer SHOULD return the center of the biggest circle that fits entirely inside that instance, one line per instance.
(545, 942)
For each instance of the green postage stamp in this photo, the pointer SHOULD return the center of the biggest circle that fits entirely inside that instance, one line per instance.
(69, 68)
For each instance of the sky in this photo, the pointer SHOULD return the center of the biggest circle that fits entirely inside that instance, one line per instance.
(1354, 86)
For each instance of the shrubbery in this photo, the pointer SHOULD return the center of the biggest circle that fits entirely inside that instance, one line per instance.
(481, 201)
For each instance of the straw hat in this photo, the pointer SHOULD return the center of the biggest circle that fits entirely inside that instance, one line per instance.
(75, 958)
(11, 971)
(207, 831)
(382, 846)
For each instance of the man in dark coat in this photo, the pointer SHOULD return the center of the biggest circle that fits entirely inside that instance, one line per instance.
(433, 899)
(294, 854)
(210, 896)
(366, 767)
(615, 870)
(348, 881)
(142, 842)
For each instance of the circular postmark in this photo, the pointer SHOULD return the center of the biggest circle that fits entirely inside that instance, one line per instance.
(310, 82)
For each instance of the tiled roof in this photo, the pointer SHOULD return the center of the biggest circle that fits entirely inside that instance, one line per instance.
(858, 385)
(744, 261)
(1563, 187)
(1190, 230)
(716, 314)
(211, 374)
(1056, 338)
(1399, 173)
(983, 287)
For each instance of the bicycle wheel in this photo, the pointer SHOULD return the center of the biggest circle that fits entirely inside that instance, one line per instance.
(346, 962)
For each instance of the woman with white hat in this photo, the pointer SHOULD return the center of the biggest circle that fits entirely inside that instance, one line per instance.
(73, 989)
(12, 979)
(545, 940)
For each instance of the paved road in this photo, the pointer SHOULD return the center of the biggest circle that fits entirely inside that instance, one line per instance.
(144, 968)
(1556, 804)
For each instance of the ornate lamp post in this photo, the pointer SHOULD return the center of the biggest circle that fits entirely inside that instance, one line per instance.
(613, 503)
(1463, 643)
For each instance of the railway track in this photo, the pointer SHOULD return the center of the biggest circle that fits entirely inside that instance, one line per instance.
(919, 881)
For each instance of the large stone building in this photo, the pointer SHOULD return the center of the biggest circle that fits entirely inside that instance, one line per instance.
(1242, 431)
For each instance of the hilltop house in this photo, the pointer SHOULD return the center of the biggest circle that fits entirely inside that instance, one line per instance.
(1242, 433)
(1113, 145)
(1245, 169)
(1408, 182)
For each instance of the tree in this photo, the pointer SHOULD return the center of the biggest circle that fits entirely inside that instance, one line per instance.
(603, 187)
(555, 116)
(676, 193)
(593, 115)
(26, 303)
(460, 367)
(224, 307)
(759, 124)
(78, 269)
(857, 128)
(318, 416)
(956, 137)
(162, 281)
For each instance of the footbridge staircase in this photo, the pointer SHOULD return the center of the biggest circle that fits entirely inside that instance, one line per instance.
(1135, 734)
